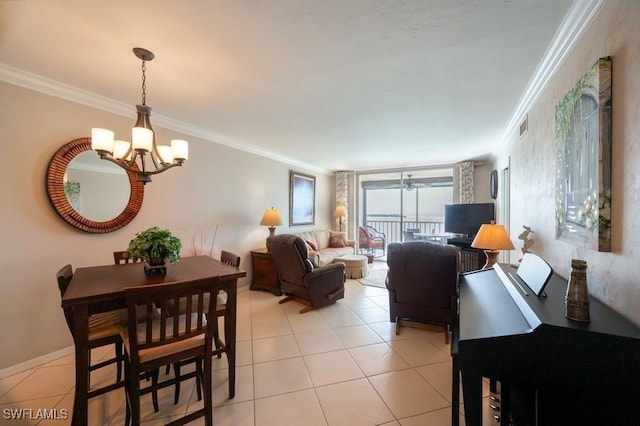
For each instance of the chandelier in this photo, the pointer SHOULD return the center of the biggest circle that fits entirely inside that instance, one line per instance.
(142, 156)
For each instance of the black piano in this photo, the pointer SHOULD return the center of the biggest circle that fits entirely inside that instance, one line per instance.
(554, 371)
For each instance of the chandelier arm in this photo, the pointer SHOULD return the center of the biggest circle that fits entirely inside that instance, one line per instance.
(156, 158)
(122, 164)
(143, 163)
(162, 169)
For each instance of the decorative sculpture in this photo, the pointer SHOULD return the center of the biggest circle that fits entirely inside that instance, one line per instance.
(527, 242)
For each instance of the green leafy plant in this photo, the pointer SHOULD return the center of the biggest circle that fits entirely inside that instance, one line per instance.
(154, 243)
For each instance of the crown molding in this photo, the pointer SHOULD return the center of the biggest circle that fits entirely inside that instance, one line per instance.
(60, 90)
(575, 23)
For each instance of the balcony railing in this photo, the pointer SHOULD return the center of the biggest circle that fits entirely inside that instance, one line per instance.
(393, 231)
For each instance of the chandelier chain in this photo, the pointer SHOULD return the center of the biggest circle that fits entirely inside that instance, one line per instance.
(144, 83)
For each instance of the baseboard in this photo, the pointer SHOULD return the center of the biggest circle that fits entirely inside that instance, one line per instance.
(35, 362)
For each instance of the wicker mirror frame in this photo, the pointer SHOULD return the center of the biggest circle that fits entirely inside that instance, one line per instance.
(55, 190)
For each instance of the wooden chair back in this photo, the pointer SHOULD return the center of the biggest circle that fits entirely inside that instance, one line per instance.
(173, 326)
(64, 276)
(174, 338)
(103, 335)
(119, 257)
(230, 258)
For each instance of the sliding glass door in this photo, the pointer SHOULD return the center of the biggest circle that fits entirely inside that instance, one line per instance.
(405, 204)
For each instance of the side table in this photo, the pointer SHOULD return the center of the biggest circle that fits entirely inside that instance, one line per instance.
(265, 275)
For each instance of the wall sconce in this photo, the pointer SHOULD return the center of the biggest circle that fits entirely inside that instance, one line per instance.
(341, 211)
(271, 218)
(492, 238)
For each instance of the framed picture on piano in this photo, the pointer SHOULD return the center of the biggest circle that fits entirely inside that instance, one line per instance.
(535, 272)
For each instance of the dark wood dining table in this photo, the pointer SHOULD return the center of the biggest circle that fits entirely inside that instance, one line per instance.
(101, 288)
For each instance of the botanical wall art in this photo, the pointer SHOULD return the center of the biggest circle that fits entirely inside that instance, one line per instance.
(583, 179)
(302, 206)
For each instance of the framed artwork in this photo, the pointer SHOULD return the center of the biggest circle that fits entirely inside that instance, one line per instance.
(583, 177)
(302, 199)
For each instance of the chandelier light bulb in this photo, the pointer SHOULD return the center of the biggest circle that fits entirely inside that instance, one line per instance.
(180, 149)
(142, 139)
(166, 153)
(120, 149)
(102, 140)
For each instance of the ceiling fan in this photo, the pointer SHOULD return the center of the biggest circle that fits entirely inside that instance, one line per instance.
(409, 184)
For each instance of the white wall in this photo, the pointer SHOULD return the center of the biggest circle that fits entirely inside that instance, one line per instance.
(217, 185)
(612, 277)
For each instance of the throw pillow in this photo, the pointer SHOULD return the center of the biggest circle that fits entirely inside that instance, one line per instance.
(312, 246)
(336, 239)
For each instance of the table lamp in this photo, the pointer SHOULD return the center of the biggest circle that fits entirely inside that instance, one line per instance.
(492, 238)
(341, 211)
(271, 218)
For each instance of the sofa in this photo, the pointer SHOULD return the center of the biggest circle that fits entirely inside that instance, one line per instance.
(319, 243)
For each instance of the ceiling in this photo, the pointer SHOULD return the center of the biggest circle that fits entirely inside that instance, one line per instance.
(328, 85)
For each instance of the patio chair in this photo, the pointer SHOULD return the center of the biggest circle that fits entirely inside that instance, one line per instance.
(371, 240)
(408, 234)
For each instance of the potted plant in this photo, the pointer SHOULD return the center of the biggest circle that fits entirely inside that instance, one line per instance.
(154, 246)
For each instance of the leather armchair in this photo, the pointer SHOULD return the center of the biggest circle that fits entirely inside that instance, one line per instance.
(299, 278)
(423, 283)
(370, 239)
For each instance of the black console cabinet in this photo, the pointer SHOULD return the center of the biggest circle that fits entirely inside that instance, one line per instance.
(471, 258)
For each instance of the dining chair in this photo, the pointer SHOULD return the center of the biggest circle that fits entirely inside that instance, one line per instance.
(103, 331)
(172, 338)
(119, 257)
(220, 346)
(221, 307)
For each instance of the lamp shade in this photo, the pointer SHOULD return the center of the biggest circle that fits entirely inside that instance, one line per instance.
(271, 217)
(492, 237)
(102, 139)
(341, 211)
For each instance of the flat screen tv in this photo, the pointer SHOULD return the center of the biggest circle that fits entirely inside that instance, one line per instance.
(467, 218)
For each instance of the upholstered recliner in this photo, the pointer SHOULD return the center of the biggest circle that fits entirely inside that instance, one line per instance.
(423, 283)
(300, 279)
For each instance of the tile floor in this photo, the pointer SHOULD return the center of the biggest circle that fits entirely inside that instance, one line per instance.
(339, 365)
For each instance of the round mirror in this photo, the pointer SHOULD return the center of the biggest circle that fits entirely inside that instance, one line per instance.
(91, 194)
(97, 189)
